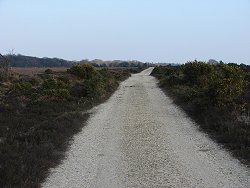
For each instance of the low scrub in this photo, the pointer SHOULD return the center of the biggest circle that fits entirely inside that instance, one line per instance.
(216, 96)
(39, 114)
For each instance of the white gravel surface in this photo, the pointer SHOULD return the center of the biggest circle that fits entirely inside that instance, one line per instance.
(139, 138)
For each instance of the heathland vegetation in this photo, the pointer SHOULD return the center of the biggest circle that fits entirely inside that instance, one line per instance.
(39, 114)
(217, 96)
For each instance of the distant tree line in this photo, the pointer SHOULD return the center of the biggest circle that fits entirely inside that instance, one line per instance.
(4, 67)
(28, 61)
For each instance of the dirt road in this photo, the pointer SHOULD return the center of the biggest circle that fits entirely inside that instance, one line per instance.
(139, 138)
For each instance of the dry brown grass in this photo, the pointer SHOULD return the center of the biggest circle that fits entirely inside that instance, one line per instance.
(30, 71)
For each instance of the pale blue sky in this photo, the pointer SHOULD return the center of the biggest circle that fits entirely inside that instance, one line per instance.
(148, 30)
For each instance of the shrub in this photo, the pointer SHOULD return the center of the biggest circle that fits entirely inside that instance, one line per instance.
(57, 93)
(49, 84)
(94, 87)
(48, 71)
(84, 71)
(21, 86)
(63, 78)
(34, 81)
(34, 96)
(198, 73)
(53, 84)
(79, 90)
(227, 90)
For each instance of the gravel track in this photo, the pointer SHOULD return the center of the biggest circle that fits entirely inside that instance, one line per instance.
(139, 138)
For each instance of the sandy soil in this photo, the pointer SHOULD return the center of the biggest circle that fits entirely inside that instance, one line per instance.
(139, 138)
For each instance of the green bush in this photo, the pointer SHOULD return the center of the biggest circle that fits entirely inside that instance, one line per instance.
(84, 71)
(220, 84)
(79, 90)
(21, 86)
(64, 79)
(34, 96)
(49, 84)
(53, 84)
(55, 89)
(57, 93)
(95, 86)
(198, 73)
(48, 71)
(227, 90)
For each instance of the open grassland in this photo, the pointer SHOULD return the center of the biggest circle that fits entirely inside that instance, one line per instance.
(31, 71)
(36, 70)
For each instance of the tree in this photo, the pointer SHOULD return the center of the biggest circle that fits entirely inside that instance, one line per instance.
(4, 68)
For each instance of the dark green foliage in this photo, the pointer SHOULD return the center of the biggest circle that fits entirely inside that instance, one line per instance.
(198, 73)
(64, 79)
(48, 71)
(4, 68)
(220, 84)
(215, 96)
(21, 87)
(79, 90)
(84, 71)
(27, 61)
(229, 85)
(53, 84)
(57, 93)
